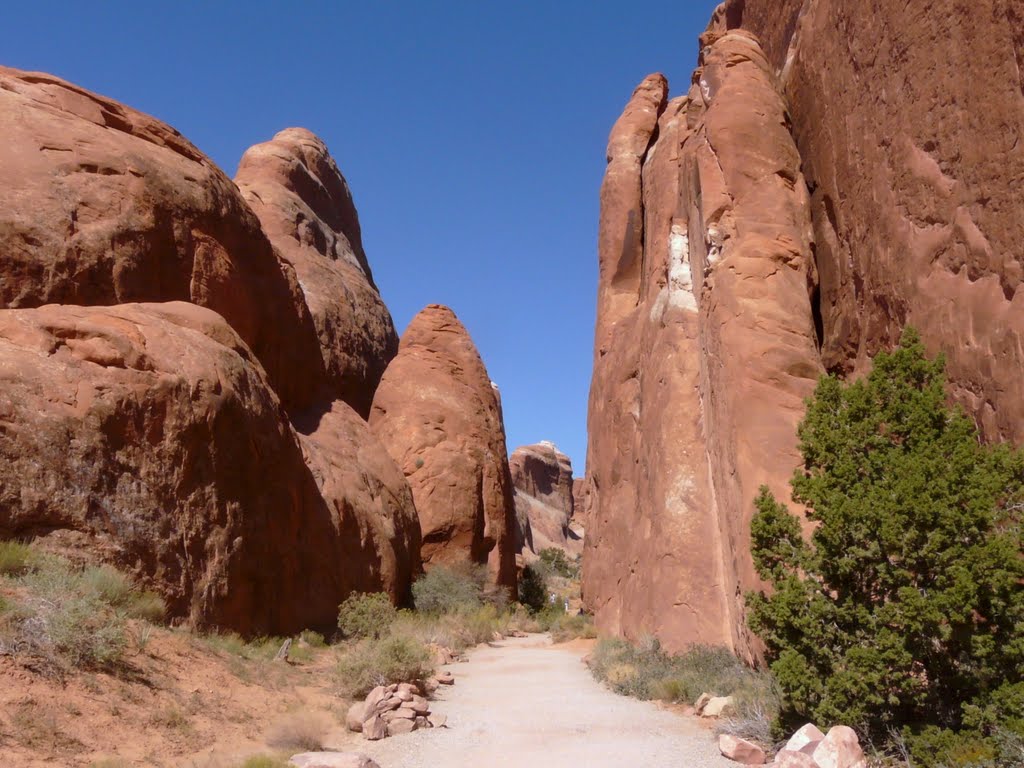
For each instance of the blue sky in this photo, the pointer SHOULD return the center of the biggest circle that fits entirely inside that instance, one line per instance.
(472, 135)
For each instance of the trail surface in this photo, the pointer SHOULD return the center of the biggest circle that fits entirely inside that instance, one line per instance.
(525, 703)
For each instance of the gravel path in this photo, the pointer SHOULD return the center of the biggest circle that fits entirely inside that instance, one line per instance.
(524, 703)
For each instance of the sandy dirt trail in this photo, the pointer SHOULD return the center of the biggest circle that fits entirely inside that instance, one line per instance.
(525, 703)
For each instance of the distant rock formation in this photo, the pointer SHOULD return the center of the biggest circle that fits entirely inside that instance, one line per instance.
(790, 214)
(306, 209)
(542, 478)
(201, 446)
(438, 414)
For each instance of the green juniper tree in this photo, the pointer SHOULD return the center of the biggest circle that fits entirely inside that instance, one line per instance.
(906, 608)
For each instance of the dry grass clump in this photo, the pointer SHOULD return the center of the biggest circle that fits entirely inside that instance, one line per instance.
(396, 658)
(68, 617)
(302, 730)
(645, 671)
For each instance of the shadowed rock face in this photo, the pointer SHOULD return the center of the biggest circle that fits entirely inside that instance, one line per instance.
(160, 436)
(306, 209)
(439, 417)
(908, 118)
(101, 204)
(701, 366)
(543, 483)
(134, 434)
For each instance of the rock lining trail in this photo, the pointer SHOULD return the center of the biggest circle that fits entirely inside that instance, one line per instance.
(523, 702)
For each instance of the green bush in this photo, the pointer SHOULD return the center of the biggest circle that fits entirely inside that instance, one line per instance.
(394, 659)
(366, 615)
(556, 562)
(533, 588)
(449, 590)
(905, 610)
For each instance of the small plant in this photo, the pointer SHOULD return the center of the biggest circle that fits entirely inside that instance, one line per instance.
(313, 639)
(302, 730)
(366, 615)
(266, 761)
(419, 463)
(17, 558)
(449, 590)
(556, 562)
(394, 659)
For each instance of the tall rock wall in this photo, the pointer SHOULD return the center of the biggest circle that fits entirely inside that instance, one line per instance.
(698, 387)
(439, 416)
(909, 118)
(835, 172)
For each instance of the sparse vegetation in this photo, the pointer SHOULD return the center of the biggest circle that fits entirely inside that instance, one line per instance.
(67, 617)
(393, 659)
(903, 615)
(366, 616)
(302, 731)
(555, 561)
(645, 671)
(445, 590)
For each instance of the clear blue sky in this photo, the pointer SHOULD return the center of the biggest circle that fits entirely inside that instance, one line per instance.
(472, 134)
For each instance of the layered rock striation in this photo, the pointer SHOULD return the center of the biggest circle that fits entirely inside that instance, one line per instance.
(438, 414)
(544, 499)
(705, 348)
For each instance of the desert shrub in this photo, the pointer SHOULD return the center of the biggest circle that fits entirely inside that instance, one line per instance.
(393, 659)
(564, 627)
(305, 731)
(533, 588)
(905, 608)
(448, 590)
(645, 671)
(313, 639)
(265, 761)
(366, 615)
(17, 558)
(118, 591)
(556, 562)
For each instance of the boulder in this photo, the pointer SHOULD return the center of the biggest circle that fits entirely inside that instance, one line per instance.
(445, 678)
(101, 204)
(805, 735)
(438, 416)
(401, 725)
(419, 705)
(331, 760)
(375, 728)
(717, 706)
(437, 720)
(132, 435)
(839, 749)
(740, 750)
(356, 716)
(787, 758)
(305, 207)
(701, 703)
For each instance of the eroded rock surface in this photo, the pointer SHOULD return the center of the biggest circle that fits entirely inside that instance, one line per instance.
(305, 207)
(438, 415)
(701, 366)
(908, 118)
(101, 204)
(543, 483)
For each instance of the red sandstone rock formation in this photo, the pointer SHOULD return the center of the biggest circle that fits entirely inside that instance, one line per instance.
(305, 207)
(150, 435)
(147, 435)
(705, 348)
(908, 117)
(438, 415)
(101, 204)
(542, 478)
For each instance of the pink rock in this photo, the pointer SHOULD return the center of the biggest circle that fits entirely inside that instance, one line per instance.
(375, 728)
(740, 750)
(787, 758)
(804, 736)
(400, 726)
(839, 749)
(332, 760)
(355, 717)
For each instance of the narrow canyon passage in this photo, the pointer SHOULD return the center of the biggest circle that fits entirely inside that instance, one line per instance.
(522, 702)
